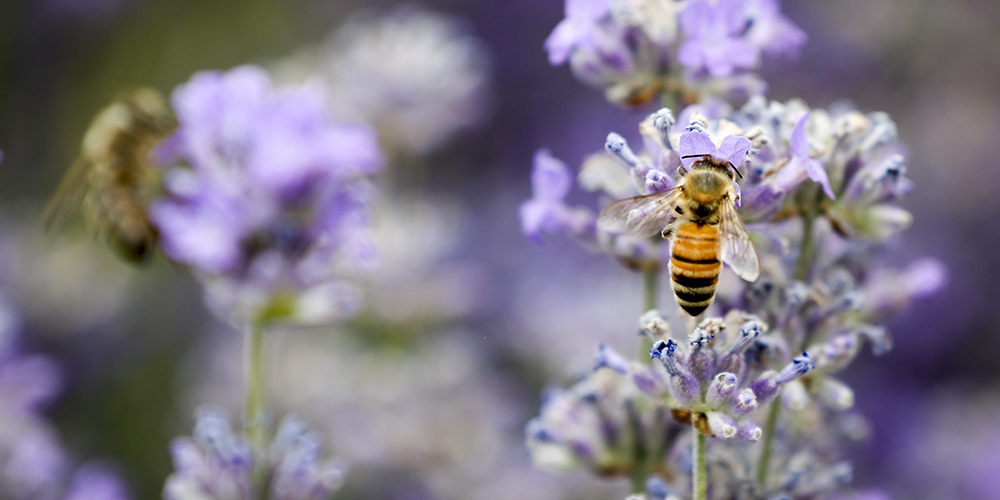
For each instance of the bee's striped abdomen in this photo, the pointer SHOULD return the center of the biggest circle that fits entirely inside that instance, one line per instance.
(695, 266)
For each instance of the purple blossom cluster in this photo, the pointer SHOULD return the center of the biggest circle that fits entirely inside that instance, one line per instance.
(757, 375)
(33, 463)
(218, 464)
(267, 197)
(638, 49)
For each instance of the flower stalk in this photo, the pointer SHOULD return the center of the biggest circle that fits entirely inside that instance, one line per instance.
(255, 398)
(650, 282)
(699, 470)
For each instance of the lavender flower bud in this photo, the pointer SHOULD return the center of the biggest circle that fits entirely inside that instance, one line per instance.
(662, 120)
(733, 363)
(722, 425)
(749, 432)
(794, 396)
(682, 385)
(745, 402)
(654, 325)
(748, 334)
(799, 366)
(701, 365)
(618, 146)
(721, 389)
(765, 387)
(834, 393)
(607, 357)
(657, 181)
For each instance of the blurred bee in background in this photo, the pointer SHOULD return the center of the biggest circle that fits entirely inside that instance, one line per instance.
(699, 217)
(113, 180)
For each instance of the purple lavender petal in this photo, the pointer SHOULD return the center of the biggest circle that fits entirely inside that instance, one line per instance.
(733, 149)
(550, 177)
(695, 144)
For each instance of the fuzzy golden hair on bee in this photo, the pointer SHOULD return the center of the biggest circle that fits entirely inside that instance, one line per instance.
(112, 180)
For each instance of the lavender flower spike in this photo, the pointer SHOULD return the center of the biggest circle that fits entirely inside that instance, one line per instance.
(266, 195)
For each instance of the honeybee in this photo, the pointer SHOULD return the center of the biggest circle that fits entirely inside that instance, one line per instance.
(112, 180)
(699, 217)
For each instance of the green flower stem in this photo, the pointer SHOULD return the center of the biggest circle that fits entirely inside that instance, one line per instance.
(699, 472)
(650, 282)
(765, 452)
(255, 380)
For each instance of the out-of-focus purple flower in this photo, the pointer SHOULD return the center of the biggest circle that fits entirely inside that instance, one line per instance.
(715, 42)
(268, 195)
(577, 30)
(416, 76)
(772, 31)
(218, 464)
(545, 211)
(96, 482)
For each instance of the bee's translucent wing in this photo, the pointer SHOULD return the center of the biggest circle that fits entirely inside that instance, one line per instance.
(68, 195)
(737, 250)
(643, 216)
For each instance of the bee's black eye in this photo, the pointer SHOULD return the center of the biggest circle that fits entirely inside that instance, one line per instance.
(679, 210)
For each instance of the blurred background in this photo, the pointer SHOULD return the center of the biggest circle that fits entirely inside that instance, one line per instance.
(426, 392)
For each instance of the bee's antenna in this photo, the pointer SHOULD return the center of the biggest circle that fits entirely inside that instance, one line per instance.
(736, 169)
(694, 156)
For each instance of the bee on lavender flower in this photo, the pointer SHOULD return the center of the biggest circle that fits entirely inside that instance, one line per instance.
(112, 180)
(699, 217)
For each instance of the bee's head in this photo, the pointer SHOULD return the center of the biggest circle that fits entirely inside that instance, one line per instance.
(705, 186)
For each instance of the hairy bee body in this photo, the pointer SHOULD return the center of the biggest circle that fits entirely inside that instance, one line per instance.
(694, 265)
(694, 244)
(112, 179)
(699, 217)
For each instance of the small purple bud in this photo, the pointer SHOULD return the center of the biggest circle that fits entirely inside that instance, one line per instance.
(748, 334)
(733, 363)
(721, 389)
(618, 146)
(662, 121)
(664, 351)
(765, 387)
(607, 357)
(798, 367)
(657, 181)
(749, 432)
(684, 388)
(646, 382)
(747, 400)
(702, 365)
(722, 425)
